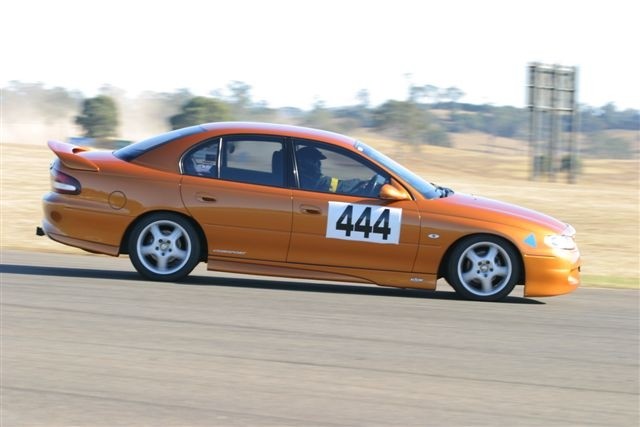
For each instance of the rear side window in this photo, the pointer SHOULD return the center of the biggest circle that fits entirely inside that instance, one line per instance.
(202, 160)
(253, 159)
(136, 149)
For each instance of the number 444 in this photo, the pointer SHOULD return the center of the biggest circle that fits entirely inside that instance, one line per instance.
(365, 223)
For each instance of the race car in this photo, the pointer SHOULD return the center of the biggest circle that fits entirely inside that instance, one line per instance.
(289, 201)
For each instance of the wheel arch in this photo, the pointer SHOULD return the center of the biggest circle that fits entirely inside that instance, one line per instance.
(447, 256)
(201, 236)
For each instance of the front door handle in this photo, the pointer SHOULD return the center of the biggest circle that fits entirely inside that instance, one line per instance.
(312, 210)
(203, 197)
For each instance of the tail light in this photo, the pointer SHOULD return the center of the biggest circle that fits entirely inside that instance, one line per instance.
(63, 183)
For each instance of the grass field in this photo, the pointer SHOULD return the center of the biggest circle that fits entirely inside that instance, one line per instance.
(603, 205)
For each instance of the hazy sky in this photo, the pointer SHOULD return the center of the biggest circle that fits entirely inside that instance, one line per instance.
(297, 52)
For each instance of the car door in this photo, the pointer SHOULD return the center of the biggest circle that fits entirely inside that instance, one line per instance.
(236, 188)
(338, 218)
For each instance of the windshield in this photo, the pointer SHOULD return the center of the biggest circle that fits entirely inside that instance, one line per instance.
(425, 188)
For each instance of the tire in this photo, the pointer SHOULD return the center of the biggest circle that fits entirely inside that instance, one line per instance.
(484, 268)
(164, 247)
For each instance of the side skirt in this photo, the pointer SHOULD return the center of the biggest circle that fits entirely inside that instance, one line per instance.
(93, 247)
(315, 272)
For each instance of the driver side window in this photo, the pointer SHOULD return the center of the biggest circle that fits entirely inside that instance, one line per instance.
(332, 170)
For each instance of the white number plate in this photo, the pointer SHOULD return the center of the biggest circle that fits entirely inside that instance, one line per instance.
(365, 223)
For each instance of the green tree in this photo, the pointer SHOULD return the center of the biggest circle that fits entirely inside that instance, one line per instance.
(508, 122)
(199, 110)
(410, 122)
(240, 98)
(319, 117)
(453, 94)
(431, 93)
(363, 109)
(99, 117)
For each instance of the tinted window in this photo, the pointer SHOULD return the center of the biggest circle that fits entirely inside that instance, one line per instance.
(333, 170)
(253, 159)
(202, 160)
(425, 188)
(136, 149)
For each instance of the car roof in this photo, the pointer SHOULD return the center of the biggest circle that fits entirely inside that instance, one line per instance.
(165, 155)
(278, 129)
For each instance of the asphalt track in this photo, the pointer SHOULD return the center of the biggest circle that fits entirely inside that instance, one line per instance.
(86, 342)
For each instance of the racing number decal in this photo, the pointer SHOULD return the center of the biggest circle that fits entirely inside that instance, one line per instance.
(365, 223)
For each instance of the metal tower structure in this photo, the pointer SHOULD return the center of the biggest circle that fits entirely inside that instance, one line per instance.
(552, 103)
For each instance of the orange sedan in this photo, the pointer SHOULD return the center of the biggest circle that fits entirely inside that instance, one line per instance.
(296, 202)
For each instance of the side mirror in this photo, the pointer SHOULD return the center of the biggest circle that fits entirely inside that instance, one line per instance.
(389, 192)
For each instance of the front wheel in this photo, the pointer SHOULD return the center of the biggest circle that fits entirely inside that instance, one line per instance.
(483, 268)
(164, 247)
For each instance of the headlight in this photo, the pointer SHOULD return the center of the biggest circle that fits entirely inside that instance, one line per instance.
(558, 241)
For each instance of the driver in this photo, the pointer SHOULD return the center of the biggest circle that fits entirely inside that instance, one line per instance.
(310, 171)
(311, 177)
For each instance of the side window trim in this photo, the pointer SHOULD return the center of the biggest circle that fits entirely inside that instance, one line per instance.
(292, 166)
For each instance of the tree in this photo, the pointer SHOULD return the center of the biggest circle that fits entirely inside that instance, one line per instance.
(363, 108)
(319, 117)
(416, 93)
(410, 122)
(240, 97)
(364, 99)
(453, 94)
(507, 122)
(99, 117)
(431, 92)
(200, 109)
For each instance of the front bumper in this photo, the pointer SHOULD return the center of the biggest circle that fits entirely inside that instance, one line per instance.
(552, 275)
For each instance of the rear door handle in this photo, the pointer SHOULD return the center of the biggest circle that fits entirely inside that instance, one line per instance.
(308, 209)
(203, 197)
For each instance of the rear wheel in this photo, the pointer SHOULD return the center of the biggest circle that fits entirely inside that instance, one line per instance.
(483, 268)
(164, 247)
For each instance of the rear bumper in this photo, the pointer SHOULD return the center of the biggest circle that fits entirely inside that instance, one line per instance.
(94, 230)
(93, 247)
(552, 275)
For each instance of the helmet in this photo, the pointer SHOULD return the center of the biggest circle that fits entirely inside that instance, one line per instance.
(309, 163)
(308, 154)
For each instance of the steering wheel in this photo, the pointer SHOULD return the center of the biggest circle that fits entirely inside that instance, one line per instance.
(366, 187)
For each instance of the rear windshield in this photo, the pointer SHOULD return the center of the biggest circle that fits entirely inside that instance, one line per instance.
(136, 149)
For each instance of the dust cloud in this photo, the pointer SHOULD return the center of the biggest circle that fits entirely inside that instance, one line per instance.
(31, 114)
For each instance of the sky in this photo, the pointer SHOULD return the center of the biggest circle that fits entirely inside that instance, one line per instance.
(297, 53)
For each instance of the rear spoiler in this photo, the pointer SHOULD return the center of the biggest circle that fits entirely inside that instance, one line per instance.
(69, 156)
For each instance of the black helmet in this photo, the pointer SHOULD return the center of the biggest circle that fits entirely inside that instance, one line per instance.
(308, 154)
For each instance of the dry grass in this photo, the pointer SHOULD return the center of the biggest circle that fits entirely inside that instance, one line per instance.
(24, 171)
(603, 206)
